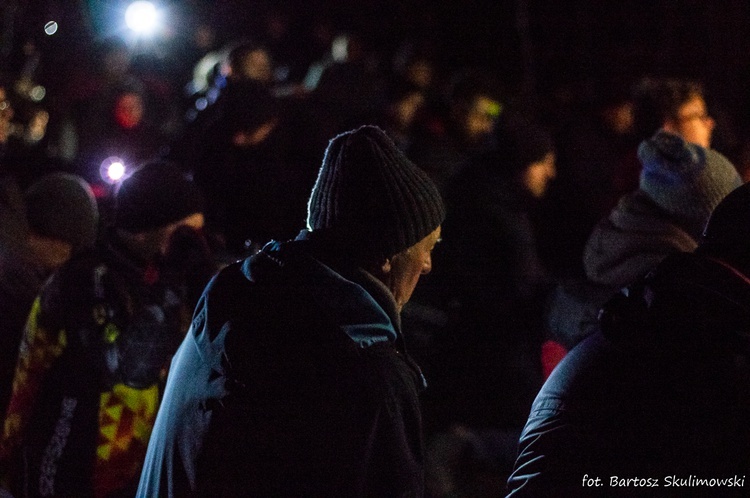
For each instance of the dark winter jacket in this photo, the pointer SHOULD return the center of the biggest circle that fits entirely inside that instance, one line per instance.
(292, 381)
(661, 394)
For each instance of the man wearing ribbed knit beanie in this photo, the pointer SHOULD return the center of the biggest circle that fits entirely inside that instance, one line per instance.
(294, 379)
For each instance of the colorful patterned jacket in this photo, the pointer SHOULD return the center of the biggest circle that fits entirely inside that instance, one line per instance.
(91, 367)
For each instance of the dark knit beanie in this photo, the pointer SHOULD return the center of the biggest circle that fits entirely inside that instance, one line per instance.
(370, 198)
(154, 196)
(62, 206)
(685, 180)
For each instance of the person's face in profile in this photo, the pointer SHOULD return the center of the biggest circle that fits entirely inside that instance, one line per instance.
(402, 271)
(480, 118)
(693, 122)
(538, 175)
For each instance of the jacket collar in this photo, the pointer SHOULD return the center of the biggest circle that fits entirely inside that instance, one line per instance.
(363, 308)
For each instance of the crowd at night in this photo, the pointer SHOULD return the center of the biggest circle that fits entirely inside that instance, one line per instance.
(451, 249)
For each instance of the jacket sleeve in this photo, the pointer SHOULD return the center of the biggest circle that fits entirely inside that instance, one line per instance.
(566, 435)
(541, 467)
(40, 346)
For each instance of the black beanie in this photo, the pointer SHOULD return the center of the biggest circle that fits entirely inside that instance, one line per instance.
(155, 196)
(370, 198)
(62, 206)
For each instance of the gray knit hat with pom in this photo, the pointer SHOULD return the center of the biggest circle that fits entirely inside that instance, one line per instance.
(370, 198)
(685, 180)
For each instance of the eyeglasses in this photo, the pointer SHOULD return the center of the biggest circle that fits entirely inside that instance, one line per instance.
(703, 116)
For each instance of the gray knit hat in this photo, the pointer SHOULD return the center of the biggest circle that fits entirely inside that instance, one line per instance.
(370, 198)
(62, 206)
(685, 180)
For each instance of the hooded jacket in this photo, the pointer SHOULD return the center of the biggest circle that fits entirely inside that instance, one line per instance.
(631, 241)
(292, 381)
(623, 247)
(680, 185)
(660, 394)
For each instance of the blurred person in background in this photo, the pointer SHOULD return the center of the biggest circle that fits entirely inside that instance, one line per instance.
(11, 196)
(676, 106)
(448, 137)
(485, 367)
(345, 87)
(680, 182)
(114, 106)
(126, 131)
(249, 61)
(596, 143)
(403, 103)
(61, 220)
(6, 115)
(415, 63)
(97, 343)
(247, 157)
(280, 34)
(29, 150)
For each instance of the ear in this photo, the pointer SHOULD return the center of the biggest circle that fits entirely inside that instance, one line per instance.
(670, 125)
(386, 266)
